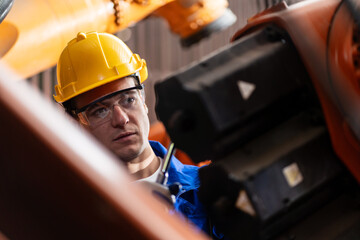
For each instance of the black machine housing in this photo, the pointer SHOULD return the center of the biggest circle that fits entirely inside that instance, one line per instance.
(251, 108)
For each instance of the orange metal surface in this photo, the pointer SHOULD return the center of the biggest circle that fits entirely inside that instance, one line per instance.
(321, 30)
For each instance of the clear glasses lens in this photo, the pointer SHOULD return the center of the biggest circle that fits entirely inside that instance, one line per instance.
(101, 112)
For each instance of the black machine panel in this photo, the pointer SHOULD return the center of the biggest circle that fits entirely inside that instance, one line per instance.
(234, 95)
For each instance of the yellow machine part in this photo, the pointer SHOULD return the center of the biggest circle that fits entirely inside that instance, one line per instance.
(34, 32)
(40, 29)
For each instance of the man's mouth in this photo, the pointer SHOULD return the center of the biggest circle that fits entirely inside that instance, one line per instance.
(123, 136)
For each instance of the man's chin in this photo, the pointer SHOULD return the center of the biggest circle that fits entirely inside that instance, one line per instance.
(127, 151)
(128, 155)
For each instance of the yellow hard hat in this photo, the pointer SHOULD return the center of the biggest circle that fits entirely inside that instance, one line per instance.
(93, 59)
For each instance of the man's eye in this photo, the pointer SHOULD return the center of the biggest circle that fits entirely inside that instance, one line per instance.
(99, 112)
(127, 101)
(130, 99)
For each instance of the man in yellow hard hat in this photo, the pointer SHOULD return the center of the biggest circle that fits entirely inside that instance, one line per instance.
(100, 85)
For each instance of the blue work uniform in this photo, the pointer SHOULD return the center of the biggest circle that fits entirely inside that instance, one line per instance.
(187, 201)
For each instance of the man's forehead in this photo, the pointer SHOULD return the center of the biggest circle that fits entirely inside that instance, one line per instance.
(104, 90)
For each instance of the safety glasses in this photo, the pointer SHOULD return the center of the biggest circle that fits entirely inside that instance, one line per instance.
(101, 110)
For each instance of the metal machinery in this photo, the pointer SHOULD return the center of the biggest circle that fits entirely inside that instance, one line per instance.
(277, 111)
(38, 30)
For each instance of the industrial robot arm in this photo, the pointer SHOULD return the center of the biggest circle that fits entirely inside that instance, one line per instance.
(38, 30)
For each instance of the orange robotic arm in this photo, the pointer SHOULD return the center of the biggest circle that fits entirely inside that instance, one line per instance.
(34, 32)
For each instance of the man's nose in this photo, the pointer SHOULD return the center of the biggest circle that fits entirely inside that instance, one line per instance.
(119, 117)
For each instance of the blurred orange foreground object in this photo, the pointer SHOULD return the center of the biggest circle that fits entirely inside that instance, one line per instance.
(158, 133)
(57, 182)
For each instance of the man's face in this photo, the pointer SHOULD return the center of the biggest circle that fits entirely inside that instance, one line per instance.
(126, 131)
